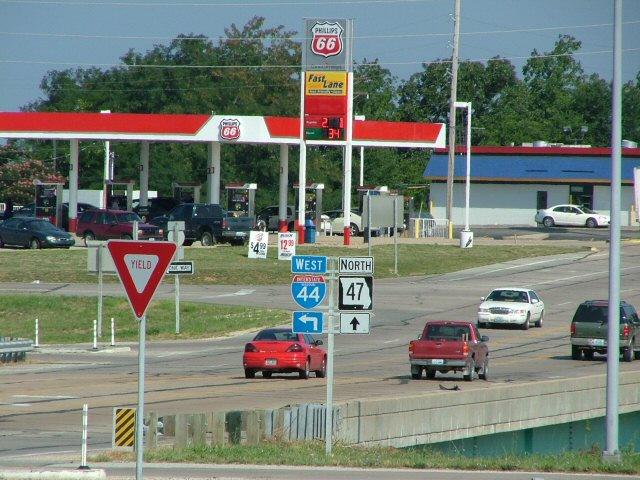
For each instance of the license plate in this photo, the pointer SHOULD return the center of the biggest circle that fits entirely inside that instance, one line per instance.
(598, 342)
(271, 362)
(437, 361)
(499, 319)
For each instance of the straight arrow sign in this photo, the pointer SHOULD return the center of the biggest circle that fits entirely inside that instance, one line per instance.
(354, 322)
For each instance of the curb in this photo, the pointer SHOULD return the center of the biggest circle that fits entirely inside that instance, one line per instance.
(78, 474)
(54, 350)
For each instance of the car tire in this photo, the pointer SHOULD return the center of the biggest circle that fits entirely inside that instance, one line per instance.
(548, 222)
(323, 369)
(88, 237)
(261, 225)
(538, 324)
(591, 223)
(468, 377)
(484, 374)
(431, 374)
(1, 243)
(304, 374)
(416, 372)
(627, 354)
(636, 354)
(207, 239)
(34, 244)
(249, 373)
(238, 242)
(576, 353)
(481, 324)
(267, 374)
(526, 325)
(188, 243)
(355, 231)
(588, 354)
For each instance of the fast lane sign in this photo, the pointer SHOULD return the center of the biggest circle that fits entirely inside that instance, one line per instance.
(141, 267)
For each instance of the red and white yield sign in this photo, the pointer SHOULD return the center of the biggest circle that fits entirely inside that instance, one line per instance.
(141, 267)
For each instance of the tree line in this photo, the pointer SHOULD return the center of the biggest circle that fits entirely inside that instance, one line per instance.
(255, 70)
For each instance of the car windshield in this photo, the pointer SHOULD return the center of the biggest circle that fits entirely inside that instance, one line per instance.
(508, 296)
(587, 210)
(43, 226)
(447, 332)
(128, 217)
(277, 336)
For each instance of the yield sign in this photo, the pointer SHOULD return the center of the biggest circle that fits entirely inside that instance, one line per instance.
(140, 266)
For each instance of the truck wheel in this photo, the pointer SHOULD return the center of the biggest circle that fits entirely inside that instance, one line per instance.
(249, 373)
(484, 374)
(588, 354)
(416, 372)
(88, 237)
(472, 370)
(627, 354)
(207, 239)
(576, 354)
(261, 225)
(431, 374)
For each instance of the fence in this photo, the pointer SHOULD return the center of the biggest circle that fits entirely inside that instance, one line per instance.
(429, 227)
(292, 423)
(14, 350)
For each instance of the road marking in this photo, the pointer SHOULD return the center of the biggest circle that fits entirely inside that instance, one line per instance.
(563, 303)
(46, 397)
(602, 272)
(505, 268)
(239, 293)
(16, 404)
(391, 341)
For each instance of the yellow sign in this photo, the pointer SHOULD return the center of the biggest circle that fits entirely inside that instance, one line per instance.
(124, 427)
(326, 83)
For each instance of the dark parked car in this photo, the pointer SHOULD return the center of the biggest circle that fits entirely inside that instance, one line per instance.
(33, 233)
(107, 224)
(29, 211)
(589, 330)
(155, 207)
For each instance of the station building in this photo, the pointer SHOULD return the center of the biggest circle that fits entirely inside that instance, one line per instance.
(509, 184)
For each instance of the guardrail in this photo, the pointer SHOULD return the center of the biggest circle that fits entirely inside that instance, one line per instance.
(429, 227)
(14, 350)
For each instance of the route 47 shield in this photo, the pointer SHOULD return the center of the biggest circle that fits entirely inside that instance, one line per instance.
(308, 291)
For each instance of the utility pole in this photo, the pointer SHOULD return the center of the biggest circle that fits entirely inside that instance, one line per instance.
(452, 108)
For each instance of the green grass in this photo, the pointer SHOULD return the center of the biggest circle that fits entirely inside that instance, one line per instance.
(312, 454)
(70, 319)
(225, 265)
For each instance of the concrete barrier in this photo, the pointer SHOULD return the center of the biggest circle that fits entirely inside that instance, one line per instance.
(78, 474)
(402, 421)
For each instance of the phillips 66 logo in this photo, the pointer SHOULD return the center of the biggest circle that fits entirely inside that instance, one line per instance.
(230, 129)
(327, 39)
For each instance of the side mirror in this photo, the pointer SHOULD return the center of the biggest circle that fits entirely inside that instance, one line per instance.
(482, 299)
(318, 342)
(419, 336)
(484, 338)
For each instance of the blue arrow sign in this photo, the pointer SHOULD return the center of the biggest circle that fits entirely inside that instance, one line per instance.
(308, 291)
(307, 322)
(308, 264)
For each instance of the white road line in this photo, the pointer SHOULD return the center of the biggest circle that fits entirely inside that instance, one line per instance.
(602, 272)
(16, 404)
(391, 341)
(563, 303)
(46, 397)
(239, 293)
(531, 264)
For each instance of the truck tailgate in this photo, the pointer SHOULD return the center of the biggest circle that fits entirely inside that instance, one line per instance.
(438, 349)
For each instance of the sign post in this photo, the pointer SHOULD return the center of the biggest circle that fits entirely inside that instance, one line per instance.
(141, 267)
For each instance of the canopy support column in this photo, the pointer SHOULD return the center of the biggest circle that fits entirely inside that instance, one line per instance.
(73, 184)
(213, 172)
(283, 222)
(144, 174)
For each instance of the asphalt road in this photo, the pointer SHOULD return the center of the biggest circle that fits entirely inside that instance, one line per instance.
(41, 401)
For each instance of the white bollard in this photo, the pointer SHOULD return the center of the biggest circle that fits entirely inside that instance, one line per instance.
(95, 334)
(37, 344)
(113, 333)
(85, 421)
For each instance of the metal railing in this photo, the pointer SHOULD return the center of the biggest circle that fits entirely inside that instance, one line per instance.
(14, 350)
(429, 227)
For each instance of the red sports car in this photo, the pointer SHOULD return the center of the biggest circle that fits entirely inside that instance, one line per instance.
(279, 350)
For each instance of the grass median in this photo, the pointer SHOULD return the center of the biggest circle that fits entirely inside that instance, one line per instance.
(313, 454)
(227, 265)
(68, 320)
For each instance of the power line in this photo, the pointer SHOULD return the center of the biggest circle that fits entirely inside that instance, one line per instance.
(215, 5)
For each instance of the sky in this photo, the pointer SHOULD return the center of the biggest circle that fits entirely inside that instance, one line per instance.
(38, 36)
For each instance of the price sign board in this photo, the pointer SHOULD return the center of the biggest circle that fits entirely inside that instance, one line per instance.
(286, 245)
(308, 291)
(258, 243)
(355, 293)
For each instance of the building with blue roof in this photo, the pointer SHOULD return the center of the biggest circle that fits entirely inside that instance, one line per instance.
(509, 184)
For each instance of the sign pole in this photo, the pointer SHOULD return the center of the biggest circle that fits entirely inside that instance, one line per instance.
(369, 222)
(100, 289)
(328, 426)
(140, 409)
(177, 280)
(395, 235)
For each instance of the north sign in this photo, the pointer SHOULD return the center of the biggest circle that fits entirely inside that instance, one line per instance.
(308, 291)
(355, 265)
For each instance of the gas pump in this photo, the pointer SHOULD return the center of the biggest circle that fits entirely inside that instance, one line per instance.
(48, 201)
(241, 199)
(185, 192)
(119, 194)
(312, 201)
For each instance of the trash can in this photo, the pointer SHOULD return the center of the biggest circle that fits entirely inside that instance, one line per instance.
(309, 232)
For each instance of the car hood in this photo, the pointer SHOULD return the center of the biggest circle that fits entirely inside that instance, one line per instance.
(513, 305)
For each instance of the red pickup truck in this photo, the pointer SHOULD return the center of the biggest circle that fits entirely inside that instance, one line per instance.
(447, 346)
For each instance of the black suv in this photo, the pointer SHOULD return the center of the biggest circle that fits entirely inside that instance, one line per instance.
(155, 207)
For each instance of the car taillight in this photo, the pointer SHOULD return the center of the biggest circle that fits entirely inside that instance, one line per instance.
(465, 348)
(410, 347)
(626, 331)
(225, 224)
(296, 347)
(573, 328)
(250, 347)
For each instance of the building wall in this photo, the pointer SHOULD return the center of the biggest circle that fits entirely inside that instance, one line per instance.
(507, 204)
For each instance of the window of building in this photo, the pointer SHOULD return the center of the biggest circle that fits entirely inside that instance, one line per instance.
(581, 195)
(541, 200)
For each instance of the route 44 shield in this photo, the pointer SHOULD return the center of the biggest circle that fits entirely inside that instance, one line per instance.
(308, 291)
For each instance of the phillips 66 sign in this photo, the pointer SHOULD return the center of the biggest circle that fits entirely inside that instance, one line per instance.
(328, 45)
(326, 39)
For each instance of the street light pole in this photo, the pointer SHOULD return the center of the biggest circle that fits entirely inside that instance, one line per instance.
(466, 236)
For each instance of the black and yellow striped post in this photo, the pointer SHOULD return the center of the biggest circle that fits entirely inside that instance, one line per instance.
(124, 427)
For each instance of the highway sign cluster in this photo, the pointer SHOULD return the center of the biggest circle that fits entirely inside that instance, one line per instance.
(355, 293)
(308, 289)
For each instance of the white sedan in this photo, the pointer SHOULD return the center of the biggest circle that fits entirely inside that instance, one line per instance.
(571, 215)
(512, 305)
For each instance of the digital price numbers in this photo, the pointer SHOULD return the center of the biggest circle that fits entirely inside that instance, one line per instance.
(324, 128)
